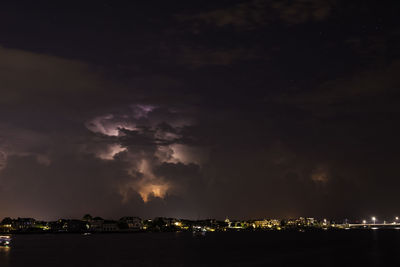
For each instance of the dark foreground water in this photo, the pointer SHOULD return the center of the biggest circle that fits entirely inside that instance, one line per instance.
(325, 248)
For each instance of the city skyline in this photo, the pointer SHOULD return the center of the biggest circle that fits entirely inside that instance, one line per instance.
(132, 224)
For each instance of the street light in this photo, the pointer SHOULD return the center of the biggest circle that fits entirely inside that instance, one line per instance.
(364, 221)
(373, 219)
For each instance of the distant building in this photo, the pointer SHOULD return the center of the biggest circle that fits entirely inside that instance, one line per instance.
(22, 224)
(96, 224)
(228, 222)
(268, 224)
(75, 226)
(237, 224)
(6, 225)
(87, 218)
(131, 223)
(310, 221)
(164, 222)
(109, 226)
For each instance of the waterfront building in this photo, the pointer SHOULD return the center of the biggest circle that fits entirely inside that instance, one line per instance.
(131, 223)
(96, 224)
(109, 226)
(266, 224)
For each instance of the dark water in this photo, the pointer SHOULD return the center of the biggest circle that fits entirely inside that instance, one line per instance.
(325, 248)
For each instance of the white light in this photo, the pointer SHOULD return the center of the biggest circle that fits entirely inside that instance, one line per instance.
(397, 218)
(364, 221)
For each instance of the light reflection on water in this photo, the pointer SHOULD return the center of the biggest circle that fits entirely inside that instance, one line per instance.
(5, 250)
(4, 255)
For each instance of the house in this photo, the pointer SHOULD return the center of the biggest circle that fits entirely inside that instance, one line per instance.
(22, 224)
(110, 226)
(131, 223)
(96, 224)
(75, 226)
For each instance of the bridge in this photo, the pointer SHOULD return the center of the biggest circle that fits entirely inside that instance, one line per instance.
(375, 225)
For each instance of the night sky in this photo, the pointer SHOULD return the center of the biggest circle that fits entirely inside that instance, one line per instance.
(200, 109)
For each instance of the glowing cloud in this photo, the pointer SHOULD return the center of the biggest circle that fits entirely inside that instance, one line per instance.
(150, 184)
(109, 125)
(146, 183)
(166, 136)
(179, 153)
(154, 137)
(155, 190)
(141, 111)
(110, 151)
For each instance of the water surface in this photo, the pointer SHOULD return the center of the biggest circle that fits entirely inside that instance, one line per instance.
(324, 248)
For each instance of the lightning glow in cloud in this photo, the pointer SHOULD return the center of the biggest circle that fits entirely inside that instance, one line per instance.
(109, 126)
(155, 137)
(147, 184)
(179, 153)
(141, 111)
(110, 151)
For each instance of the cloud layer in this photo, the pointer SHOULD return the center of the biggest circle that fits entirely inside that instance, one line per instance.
(206, 109)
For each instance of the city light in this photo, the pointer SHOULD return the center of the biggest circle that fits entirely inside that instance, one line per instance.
(161, 224)
(178, 224)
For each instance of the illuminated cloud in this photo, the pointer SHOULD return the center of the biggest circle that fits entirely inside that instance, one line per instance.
(141, 111)
(166, 136)
(109, 151)
(150, 185)
(179, 153)
(148, 190)
(109, 125)
(149, 136)
(145, 183)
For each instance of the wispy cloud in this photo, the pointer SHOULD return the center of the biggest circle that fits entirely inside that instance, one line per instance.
(250, 14)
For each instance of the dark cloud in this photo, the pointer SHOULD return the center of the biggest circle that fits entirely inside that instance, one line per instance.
(301, 11)
(28, 78)
(250, 14)
(364, 91)
(202, 57)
